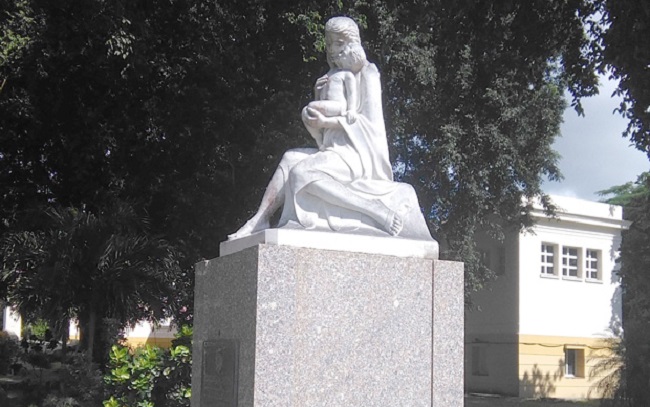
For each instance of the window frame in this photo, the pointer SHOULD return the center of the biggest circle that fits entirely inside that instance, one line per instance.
(566, 265)
(575, 363)
(589, 269)
(545, 264)
(479, 363)
(485, 257)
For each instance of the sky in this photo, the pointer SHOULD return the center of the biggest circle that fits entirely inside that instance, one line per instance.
(595, 156)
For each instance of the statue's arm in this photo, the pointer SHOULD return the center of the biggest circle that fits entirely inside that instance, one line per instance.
(320, 83)
(351, 92)
(314, 118)
(352, 97)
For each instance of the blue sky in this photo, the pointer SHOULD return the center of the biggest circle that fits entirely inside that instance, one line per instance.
(594, 154)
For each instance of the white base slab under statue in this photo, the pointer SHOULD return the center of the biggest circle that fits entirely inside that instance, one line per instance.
(284, 325)
(327, 240)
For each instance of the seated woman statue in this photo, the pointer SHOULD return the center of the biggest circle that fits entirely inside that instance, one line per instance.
(347, 183)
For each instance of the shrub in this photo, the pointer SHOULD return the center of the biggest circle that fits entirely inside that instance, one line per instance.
(9, 350)
(56, 401)
(36, 330)
(151, 376)
(81, 382)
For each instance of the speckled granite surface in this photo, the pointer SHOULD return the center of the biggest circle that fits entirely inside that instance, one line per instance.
(329, 328)
(448, 334)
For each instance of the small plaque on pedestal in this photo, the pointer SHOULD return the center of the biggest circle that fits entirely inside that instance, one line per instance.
(219, 373)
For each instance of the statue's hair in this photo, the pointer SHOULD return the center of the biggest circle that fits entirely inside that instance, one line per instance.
(345, 26)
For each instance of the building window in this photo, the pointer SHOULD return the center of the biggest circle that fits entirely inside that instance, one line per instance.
(591, 264)
(548, 259)
(502, 261)
(485, 258)
(479, 361)
(570, 262)
(574, 362)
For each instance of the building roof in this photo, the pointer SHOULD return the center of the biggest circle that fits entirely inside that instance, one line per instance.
(583, 212)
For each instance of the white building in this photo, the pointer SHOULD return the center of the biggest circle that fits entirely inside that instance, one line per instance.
(538, 330)
(11, 321)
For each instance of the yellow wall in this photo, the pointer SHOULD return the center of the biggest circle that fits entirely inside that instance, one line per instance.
(146, 335)
(135, 342)
(542, 366)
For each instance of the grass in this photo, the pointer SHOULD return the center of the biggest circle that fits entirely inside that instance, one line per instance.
(496, 401)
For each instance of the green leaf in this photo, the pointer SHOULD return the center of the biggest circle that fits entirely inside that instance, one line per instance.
(111, 402)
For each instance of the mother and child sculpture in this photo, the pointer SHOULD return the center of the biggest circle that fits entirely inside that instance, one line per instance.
(346, 184)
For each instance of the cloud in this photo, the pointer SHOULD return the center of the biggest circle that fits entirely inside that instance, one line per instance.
(595, 156)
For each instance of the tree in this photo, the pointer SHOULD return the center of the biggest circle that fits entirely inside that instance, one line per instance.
(157, 106)
(90, 267)
(146, 103)
(628, 195)
(633, 388)
(626, 54)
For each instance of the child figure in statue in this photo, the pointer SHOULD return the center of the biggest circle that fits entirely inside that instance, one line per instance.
(337, 92)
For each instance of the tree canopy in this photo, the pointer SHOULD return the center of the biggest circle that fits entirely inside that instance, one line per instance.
(632, 388)
(626, 55)
(182, 108)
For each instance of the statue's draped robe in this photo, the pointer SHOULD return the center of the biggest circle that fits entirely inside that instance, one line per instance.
(356, 156)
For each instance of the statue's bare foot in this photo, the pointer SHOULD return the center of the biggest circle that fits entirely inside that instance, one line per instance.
(394, 220)
(394, 223)
(255, 224)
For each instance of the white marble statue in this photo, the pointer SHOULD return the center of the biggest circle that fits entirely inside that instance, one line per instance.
(347, 183)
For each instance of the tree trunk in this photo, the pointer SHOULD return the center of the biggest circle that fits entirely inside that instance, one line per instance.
(92, 325)
(65, 336)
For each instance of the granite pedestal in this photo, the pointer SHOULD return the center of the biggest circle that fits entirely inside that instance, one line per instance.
(292, 326)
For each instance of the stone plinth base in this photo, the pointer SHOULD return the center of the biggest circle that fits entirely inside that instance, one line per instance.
(290, 326)
(392, 246)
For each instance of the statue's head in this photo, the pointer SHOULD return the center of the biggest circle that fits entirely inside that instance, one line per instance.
(343, 43)
(345, 26)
